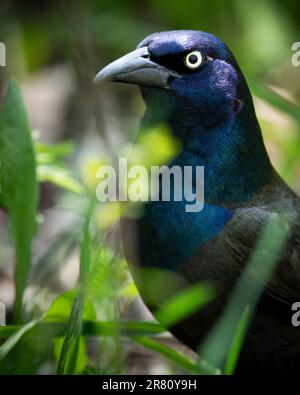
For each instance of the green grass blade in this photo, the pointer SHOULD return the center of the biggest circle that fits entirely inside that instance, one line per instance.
(71, 333)
(93, 328)
(184, 304)
(69, 352)
(237, 343)
(14, 337)
(276, 100)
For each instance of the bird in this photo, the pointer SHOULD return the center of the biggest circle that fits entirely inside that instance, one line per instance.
(191, 81)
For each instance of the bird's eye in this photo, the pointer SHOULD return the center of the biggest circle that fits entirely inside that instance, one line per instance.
(193, 60)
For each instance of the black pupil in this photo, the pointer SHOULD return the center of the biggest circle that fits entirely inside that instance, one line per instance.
(193, 59)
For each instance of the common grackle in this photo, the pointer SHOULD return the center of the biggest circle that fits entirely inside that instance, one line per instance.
(191, 81)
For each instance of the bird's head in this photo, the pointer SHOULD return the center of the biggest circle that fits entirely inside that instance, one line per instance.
(180, 69)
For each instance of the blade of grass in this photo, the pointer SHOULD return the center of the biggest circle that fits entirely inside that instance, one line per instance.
(16, 336)
(68, 356)
(237, 343)
(184, 304)
(276, 100)
(93, 328)
(71, 332)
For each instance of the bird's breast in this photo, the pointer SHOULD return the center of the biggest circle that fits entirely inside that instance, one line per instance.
(169, 236)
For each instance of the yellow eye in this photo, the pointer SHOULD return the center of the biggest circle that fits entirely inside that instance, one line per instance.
(193, 60)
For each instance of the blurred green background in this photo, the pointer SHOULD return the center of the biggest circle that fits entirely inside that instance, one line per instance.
(64, 43)
(54, 49)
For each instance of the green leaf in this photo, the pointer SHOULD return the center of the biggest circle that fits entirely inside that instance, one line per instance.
(184, 304)
(52, 152)
(18, 185)
(50, 168)
(153, 146)
(59, 176)
(61, 307)
(81, 360)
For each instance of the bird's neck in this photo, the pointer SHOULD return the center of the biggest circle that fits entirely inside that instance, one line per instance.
(236, 168)
(232, 151)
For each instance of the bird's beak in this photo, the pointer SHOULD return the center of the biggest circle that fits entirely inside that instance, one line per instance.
(136, 68)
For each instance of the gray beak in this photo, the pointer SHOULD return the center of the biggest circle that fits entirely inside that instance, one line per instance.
(136, 68)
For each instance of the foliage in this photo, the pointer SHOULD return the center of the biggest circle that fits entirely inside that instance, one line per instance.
(18, 184)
